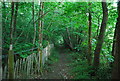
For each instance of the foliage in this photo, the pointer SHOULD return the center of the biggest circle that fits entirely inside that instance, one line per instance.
(80, 68)
(53, 58)
(104, 72)
(64, 24)
(25, 50)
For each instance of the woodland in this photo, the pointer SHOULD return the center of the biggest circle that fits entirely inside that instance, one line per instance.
(83, 39)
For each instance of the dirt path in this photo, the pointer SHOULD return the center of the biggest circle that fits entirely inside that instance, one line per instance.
(60, 69)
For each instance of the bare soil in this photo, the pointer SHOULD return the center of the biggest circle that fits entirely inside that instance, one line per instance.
(60, 69)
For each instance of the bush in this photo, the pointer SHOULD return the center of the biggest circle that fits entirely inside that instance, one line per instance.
(104, 72)
(80, 68)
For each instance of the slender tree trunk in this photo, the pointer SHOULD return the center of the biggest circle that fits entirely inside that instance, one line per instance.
(11, 55)
(101, 35)
(4, 16)
(114, 45)
(15, 18)
(71, 45)
(114, 41)
(1, 45)
(116, 68)
(89, 37)
(98, 27)
(40, 34)
(15, 22)
(34, 38)
(3, 21)
(66, 43)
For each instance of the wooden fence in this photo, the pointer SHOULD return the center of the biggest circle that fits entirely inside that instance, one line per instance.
(27, 67)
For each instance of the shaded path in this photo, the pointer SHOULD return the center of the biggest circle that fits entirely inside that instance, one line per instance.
(60, 69)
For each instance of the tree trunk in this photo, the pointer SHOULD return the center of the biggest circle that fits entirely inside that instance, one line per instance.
(3, 21)
(114, 45)
(11, 55)
(98, 27)
(1, 46)
(15, 18)
(114, 41)
(89, 37)
(116, 68)
(15, 21)
(40, 23)
(69, 37)
(34, 38)
(101, 35)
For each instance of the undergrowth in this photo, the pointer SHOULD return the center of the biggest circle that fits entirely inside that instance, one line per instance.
(79, 67)
(81, 70)
(53, 58)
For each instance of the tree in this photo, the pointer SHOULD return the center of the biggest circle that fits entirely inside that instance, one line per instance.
(11, 56)
(114, 41)
(101, 35)
(116, 68)
(40, 25)
(89, 37)
(15, 18)
(34, 26)
(114, 44)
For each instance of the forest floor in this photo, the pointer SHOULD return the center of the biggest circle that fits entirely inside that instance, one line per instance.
(60, 69)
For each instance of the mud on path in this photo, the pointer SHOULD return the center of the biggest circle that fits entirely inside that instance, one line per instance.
(59, 70)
